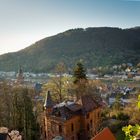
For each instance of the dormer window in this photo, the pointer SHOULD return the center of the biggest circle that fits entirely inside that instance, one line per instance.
(88, 127)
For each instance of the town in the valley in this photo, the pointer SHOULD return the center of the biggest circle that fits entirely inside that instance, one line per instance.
(83, 104)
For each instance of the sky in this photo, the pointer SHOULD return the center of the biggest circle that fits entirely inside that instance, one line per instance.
(23, 22)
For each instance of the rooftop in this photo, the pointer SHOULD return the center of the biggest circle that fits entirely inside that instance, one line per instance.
(104, 134)
(67, 110)
(48, 101)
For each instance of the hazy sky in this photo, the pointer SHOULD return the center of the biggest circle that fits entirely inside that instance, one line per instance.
(22, 22)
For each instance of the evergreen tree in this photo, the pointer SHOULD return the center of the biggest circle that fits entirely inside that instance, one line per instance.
(79, 73)
(80, 80)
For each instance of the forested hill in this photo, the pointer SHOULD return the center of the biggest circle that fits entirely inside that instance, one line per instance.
(95, 46)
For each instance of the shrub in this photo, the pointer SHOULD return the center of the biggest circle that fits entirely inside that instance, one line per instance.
(123, 117)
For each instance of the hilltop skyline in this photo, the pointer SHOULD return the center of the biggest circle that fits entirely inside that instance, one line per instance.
(25, 22)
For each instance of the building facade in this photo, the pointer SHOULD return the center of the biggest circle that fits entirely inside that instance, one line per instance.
(71, 120)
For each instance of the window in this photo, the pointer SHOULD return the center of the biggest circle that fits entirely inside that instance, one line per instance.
(72, 127)
(53, 127)
(98, 114)
(78, 136)
(58, 114)
(88, 127)
(87, 116)
(90, 123)
(41, 129)
(60, 129)
(44, 122)
(45, 134)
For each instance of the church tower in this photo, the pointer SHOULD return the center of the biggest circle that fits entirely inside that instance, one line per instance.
(20, 77)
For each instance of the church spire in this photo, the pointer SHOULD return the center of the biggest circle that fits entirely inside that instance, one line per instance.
(20, 77)
(20, 70)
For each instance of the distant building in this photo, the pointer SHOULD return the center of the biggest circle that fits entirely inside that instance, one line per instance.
(20, 77)
(137, 78)
(38, 88)
(128, 70)
(71, 120)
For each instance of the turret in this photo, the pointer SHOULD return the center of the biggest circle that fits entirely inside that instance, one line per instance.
(48, 105)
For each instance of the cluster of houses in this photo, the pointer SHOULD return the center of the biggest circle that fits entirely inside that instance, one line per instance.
(126, 95)
(30, 78)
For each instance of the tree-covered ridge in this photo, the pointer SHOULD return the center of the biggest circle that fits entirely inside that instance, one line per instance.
(95, 46)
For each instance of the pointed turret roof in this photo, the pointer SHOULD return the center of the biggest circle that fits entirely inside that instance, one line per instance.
(48, 101)
(20, 77)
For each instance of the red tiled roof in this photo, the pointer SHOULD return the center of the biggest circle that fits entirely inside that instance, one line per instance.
(105, 134)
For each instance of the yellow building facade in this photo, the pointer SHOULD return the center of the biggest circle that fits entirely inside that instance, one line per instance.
(71, 120)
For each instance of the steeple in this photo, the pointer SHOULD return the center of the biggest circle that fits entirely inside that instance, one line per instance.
(20, 77)
(48, 101)
(20, 70)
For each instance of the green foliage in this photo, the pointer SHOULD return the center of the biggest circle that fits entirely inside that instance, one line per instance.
(95, 46)
(115, 126)
(23, 116)
(79, 73)
(120, 135)
(139, 101)
(132, 132)
(79, 80)
(122, 116)
(5, 105)
(117, 103)
(16, 111)
(58, 91)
